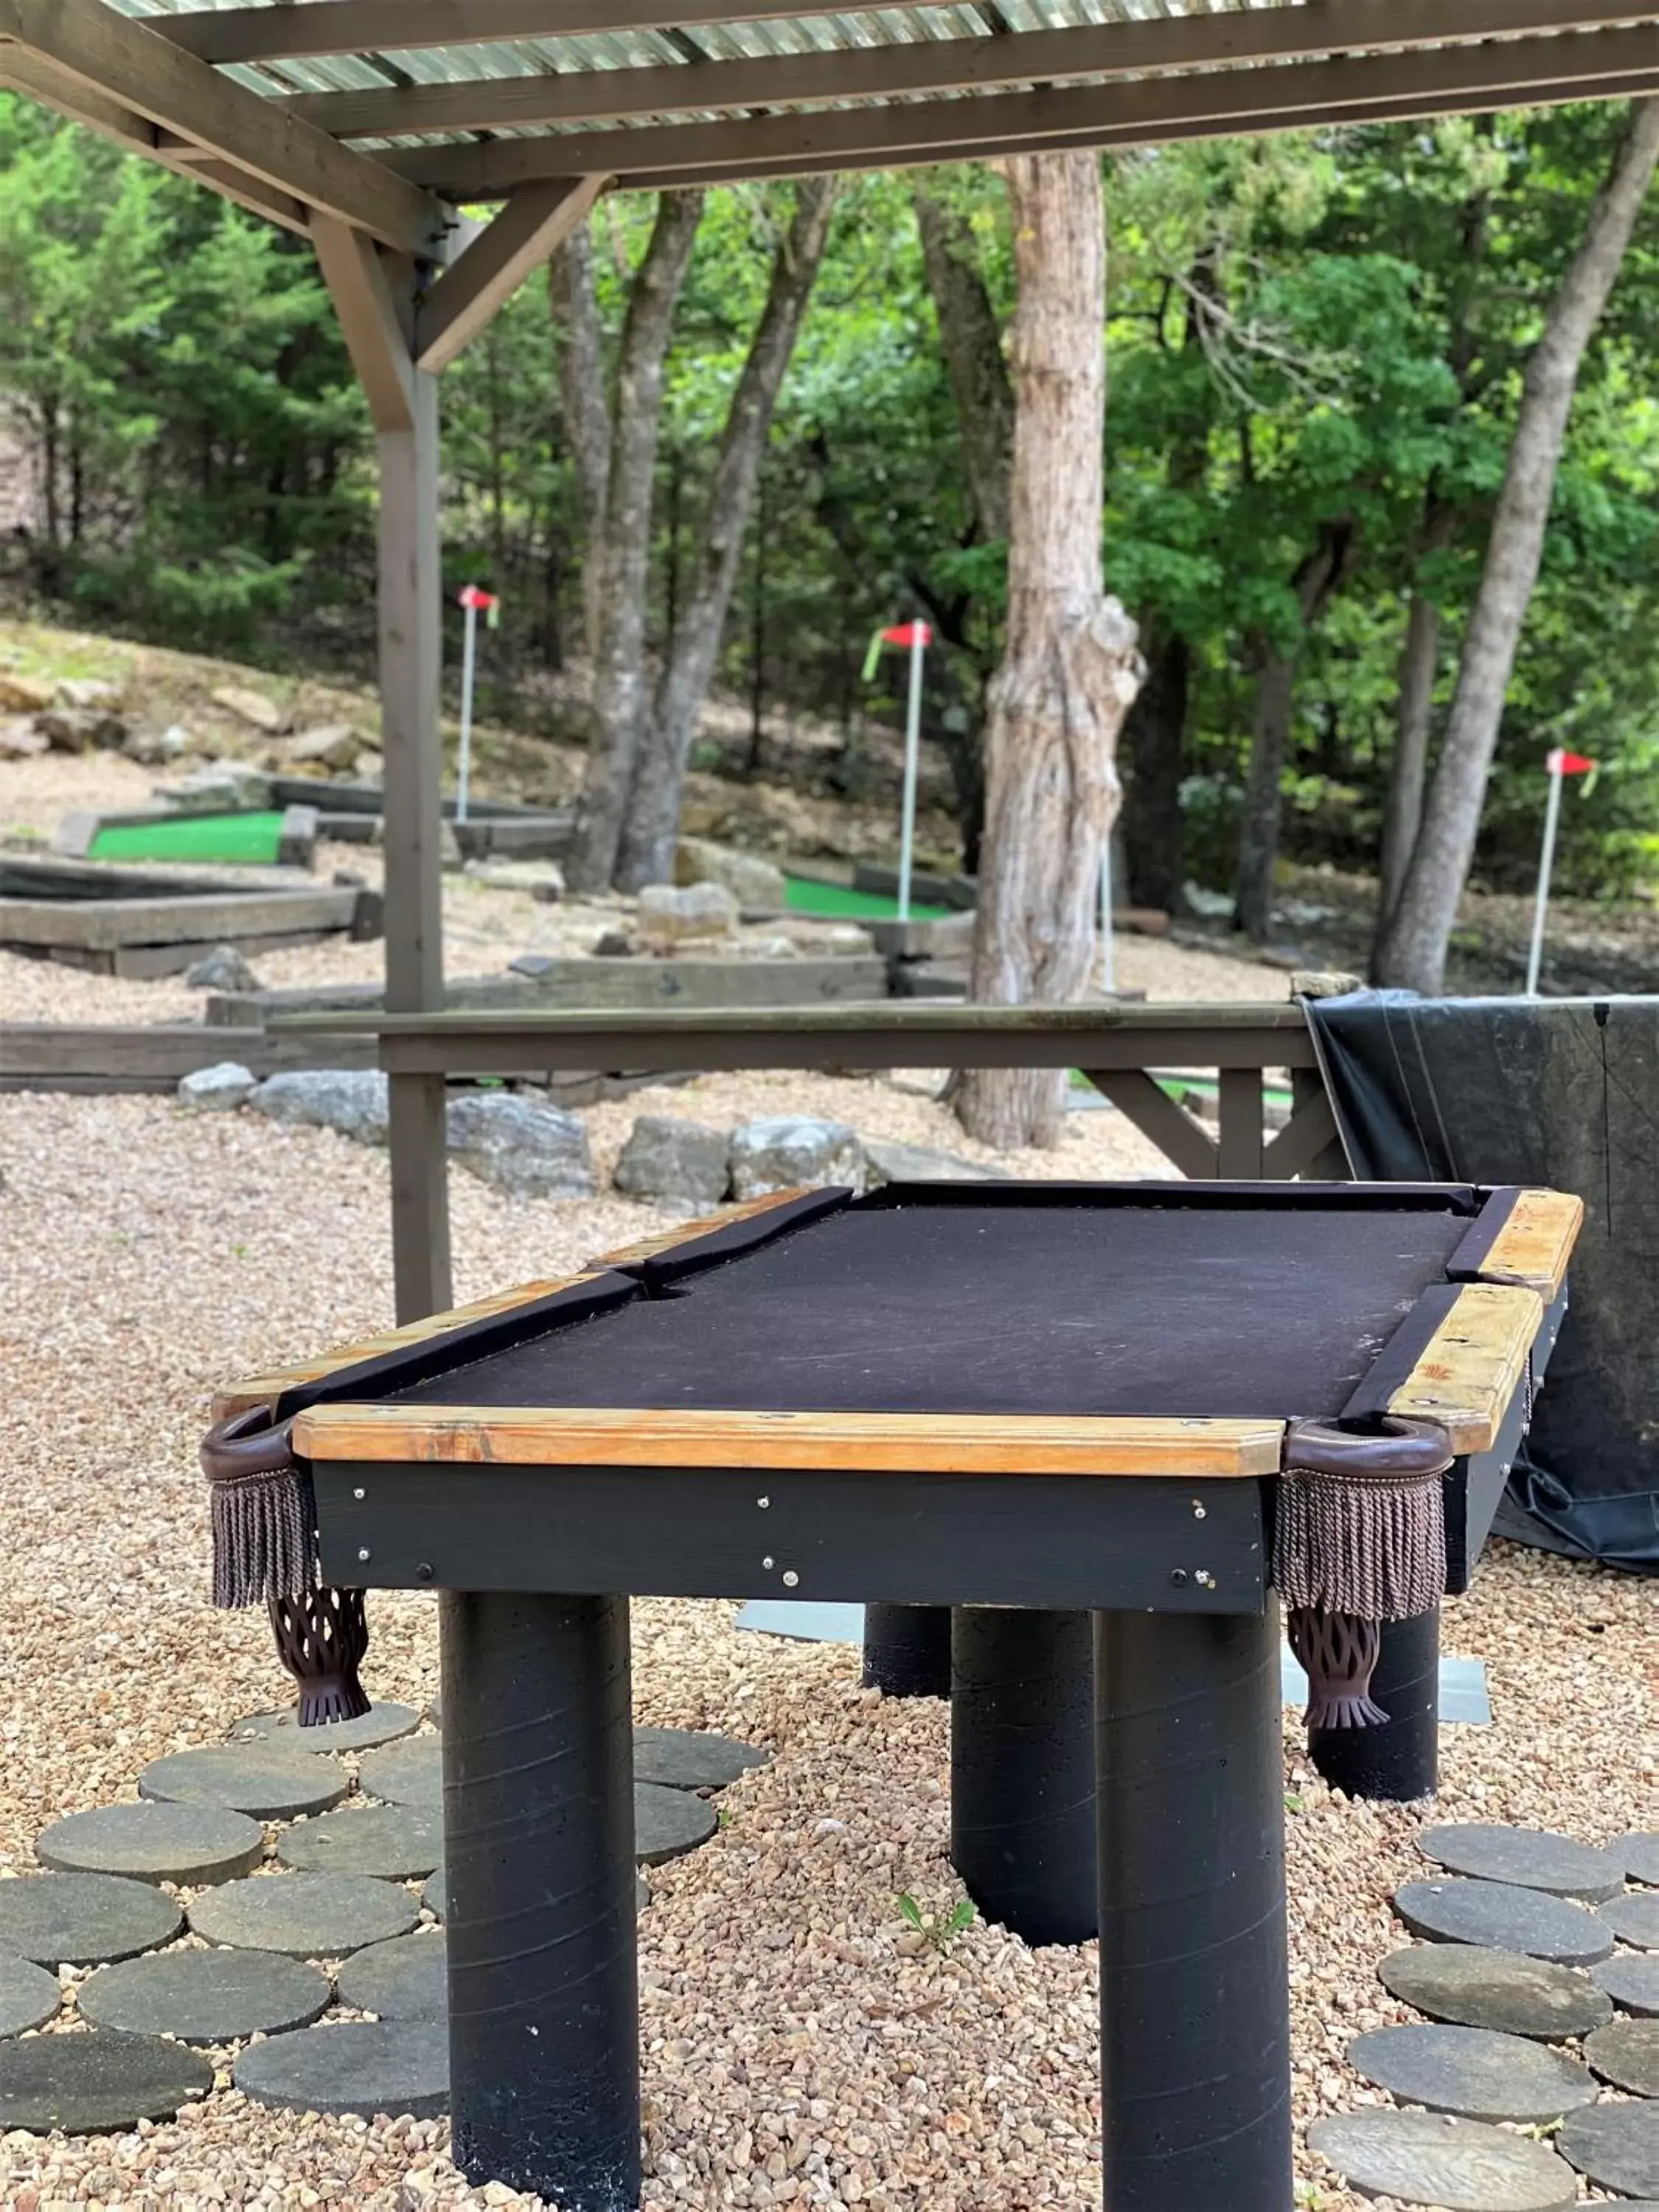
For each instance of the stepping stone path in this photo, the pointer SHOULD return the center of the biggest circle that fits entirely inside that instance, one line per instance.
(379, 1724)
(410, 1773)
(691, 1758)
(1631, 1978)
(396, 1843)
(205, 1996)
(1501, 1989)
(267, 1781)
(352, 2066)
(1531, 1858)
(29, 1996)
(1640, 1853)
(82, 1919)
(1615, 2146)
(1626, 2053)
(400, 1980)
(189, 1844)
(308, 1916)
(1471, 2072)
(1634, 1918)
(1456, 2165)
(96, 2083)
(1499, 1916)
(667, 1822)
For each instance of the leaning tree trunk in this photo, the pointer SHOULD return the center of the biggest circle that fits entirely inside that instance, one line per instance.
(1402, 808)
(970, 340)
(1413, 952)
(652, 822)
(581, 360)
(1070, 669)
(1154, 738)
(617, 704)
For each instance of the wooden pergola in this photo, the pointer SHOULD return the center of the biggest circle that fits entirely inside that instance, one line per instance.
(369, 125)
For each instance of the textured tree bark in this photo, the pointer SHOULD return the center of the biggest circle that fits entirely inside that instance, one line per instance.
(617, 702)
(1402, 809)
(1154, 732)
(1317, 580)
(651, 822)
(1413, 951)
(1070, 670)
(580, 356)
(970, 339)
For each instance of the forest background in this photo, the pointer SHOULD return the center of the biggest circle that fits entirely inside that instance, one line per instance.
(1315, 346)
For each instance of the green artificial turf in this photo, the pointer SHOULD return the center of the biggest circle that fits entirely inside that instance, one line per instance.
(250, 839)
(803, 896)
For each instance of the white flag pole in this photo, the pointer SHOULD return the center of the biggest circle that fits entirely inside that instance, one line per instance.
(469, 666)
(912, 757)
(1546, 864)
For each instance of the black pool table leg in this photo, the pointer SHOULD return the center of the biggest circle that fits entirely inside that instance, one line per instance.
(906, 1649)
(539, 1829)
(1399, 1760)
(1195, 1993)
(1022, 1769)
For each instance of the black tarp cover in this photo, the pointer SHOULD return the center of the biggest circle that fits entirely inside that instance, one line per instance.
(1564, 1093)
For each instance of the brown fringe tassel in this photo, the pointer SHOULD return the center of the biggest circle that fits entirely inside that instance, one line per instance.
(1375, 1550)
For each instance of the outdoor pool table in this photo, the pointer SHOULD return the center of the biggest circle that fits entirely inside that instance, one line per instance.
(1159, 1405)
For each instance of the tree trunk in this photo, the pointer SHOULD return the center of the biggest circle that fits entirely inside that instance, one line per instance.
(580, 362)
(970, 340)
(1402, 809)
(1316, 583)
(1070, 670)
(618, 705)
(1413, 952)
(652, 814)
(1154, 736)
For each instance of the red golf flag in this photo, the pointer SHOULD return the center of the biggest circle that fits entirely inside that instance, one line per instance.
(1565, 763)
(907, 633)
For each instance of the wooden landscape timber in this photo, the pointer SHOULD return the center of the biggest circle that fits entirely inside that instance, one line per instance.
(161, 935)
(102, 1058)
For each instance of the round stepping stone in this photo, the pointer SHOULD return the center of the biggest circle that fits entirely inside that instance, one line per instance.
(410, 1773)
(401, 1980)
(1456, 2165)
(379, 1724)
(1640, 1853)
(96, 2084)
(433, 1896)
(267, 1781)
(1500, 1989)
(29, 1996)
(205, 1996)
(1616, 2146)
(1501, 1918)
(1634, 1918)
(82, 1919)
(667, 1822)
(189, 1844)
(1530, 1859)
(1626, 2053)
(396, 1843)
(691, 1758)
(308, 1916)
(1471, 2072)
(394, 2066)
(1631, 1978)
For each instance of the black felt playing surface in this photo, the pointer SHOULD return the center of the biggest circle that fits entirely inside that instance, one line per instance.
(1004, 1310)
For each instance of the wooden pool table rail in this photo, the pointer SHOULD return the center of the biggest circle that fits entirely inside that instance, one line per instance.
(1473, 1365)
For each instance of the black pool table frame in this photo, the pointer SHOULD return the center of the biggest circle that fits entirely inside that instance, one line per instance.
(537, 1523)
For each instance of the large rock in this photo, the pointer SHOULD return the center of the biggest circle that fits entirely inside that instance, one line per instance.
(223, 969)
(253, 708)
(25, 695)
(154, 748)
(218, 1089)
(89, 694)
(81, 729)
(351, 1101)
(541, 880)
(226, 786)
(757, 885)
(20, 740)
(334, 746)
(782, 1152)
(893, 1162)
(531, 1151)
(674, 1163)
(670, 915)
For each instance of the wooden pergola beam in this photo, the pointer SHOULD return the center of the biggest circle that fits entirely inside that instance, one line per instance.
(341, 26)
(531, 225)
(930, 65)
(1143, 111)
(83, 50)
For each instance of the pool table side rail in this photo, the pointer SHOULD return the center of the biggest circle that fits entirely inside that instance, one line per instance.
(1471, 1367)
(1528, 1243)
